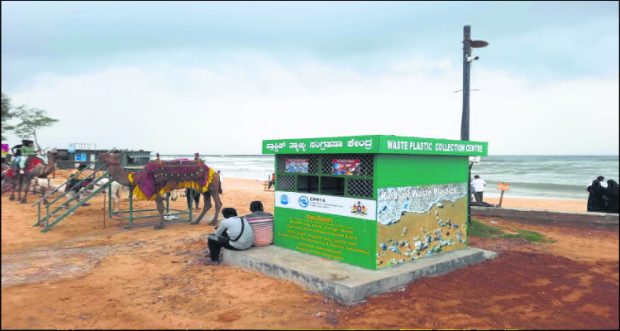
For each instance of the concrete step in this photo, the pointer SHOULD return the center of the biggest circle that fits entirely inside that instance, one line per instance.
(345, 283)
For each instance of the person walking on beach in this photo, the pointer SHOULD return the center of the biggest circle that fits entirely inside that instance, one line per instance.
(479, 184)
(611, 193)
(233, 233)
(272, 180)
(596, 198)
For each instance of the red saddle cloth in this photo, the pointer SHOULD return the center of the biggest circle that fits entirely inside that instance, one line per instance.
(179, 171)
(32, 162)
(157, 175)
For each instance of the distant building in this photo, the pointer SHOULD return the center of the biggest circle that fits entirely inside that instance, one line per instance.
(78, 153)
(135, 160)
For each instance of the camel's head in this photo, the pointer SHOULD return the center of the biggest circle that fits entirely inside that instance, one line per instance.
(55, 153)
(109, 158)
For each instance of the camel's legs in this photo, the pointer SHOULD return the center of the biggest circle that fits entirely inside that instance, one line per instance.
(20, 181)
(207, 205)
(14, 182)
(218, 207)
(43, 191)
(28, 180)
(160, 208)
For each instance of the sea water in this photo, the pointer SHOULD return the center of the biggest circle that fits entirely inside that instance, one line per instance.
(561, 177)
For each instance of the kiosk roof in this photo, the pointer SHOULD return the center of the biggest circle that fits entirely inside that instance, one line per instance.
(375, 144)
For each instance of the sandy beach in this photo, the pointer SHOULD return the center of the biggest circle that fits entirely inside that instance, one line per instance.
(570, 205)
(103, 276)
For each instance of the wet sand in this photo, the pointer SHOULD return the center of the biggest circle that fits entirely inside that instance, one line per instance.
(570, 205)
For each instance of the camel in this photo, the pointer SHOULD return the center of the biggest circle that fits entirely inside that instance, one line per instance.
(40, 170)
(120, 175)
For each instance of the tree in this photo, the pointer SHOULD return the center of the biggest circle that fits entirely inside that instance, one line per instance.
(6, 115)
(31, 119)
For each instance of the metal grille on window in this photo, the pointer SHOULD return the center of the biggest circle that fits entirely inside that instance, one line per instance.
(313, 164)
(285, 183)
(281, 163)
(360, 188)
(366, 163)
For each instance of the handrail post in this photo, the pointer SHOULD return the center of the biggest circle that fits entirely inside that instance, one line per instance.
(190, 200)
(47, 216)
(130, 207)
(110, 198)
(167, 202)
(38, 213)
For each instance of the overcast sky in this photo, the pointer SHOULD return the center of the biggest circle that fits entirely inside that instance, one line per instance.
(218, 78)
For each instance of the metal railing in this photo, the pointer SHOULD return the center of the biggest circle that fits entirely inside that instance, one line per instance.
(48, 194)
(51, 218)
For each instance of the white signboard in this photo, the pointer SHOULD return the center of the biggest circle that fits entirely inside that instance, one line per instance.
(349, 207)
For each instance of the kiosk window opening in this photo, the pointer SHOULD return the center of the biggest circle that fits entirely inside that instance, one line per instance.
(308, 184)
(332, 186)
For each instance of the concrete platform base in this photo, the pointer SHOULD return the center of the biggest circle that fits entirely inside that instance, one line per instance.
(343, 282)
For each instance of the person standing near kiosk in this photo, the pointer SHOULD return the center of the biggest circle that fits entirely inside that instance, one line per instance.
(479, 184)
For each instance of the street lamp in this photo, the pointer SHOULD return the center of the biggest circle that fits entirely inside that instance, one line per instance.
(468, 44)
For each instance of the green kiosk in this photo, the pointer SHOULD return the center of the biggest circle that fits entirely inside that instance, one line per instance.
(371, 201)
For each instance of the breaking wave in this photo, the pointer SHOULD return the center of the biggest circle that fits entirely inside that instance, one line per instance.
(394, 201)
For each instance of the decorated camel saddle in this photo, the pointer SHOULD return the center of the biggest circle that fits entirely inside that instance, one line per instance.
(159, 177)
(31, 162)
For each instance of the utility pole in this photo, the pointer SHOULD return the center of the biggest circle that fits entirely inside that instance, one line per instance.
(468, 44)
(466, 70)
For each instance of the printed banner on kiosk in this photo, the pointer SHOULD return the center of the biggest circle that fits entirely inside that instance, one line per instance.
(349, 207)
(297, 165)
(346, 167)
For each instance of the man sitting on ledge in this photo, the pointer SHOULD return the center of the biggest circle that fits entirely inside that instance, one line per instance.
(233, 233)
(262, 224)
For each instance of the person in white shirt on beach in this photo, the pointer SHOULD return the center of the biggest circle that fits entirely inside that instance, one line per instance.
(232, 233)
(479, 184)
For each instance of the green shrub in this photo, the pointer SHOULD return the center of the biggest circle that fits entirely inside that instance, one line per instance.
(479, 229)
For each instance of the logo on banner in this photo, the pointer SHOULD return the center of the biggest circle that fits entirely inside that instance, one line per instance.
(284, 199)
(303, 201)
(359, 209)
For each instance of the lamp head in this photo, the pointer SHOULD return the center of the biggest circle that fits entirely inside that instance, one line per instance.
(478, 43)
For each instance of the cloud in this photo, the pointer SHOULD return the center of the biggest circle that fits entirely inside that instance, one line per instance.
(230, 106)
